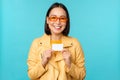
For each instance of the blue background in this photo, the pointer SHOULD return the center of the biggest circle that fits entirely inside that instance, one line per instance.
(96, 24)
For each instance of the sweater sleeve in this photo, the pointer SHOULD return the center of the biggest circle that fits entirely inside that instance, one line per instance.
(35, 68)
(77, 69)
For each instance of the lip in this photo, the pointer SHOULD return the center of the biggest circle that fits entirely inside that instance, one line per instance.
(58, 27)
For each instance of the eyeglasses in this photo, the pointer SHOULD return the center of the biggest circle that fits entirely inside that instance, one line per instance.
(55, 18)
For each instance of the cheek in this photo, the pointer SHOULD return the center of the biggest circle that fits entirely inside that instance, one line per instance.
(64, 25)
(50, 25)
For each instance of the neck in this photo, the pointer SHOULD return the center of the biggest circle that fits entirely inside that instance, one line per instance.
(56, 37)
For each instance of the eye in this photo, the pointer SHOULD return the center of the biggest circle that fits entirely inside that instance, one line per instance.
(63, 19)
(53, 18)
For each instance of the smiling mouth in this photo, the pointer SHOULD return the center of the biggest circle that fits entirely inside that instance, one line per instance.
(58, 27)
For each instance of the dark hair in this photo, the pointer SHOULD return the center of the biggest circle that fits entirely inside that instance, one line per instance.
(66, 30)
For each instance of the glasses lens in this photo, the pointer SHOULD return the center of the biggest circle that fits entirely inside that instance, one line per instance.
(63, 19)
(53, 18)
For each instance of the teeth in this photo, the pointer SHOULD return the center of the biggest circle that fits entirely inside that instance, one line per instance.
(57, 27)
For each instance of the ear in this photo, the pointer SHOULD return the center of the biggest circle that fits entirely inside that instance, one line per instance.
(47, 20)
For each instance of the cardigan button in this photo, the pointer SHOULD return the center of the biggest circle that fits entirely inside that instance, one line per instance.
(40, 43)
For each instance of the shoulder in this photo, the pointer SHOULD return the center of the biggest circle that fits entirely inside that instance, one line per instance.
(72, 40)
(37, 40)
(41, 38)
(76, 44)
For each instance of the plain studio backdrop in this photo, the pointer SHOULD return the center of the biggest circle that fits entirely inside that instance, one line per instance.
(95, 23)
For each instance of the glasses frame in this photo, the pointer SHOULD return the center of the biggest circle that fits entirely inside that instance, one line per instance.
(55, 18)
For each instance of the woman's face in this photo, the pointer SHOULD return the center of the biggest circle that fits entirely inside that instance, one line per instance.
(57, 20)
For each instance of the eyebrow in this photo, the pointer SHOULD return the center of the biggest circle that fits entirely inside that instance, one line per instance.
(59, 16)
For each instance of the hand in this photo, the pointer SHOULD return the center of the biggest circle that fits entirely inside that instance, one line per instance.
(46, 56)
(66, 55)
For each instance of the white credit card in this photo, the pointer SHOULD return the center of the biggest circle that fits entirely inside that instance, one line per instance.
(57, 47)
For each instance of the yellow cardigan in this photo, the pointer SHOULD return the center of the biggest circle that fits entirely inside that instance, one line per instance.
(56, 68)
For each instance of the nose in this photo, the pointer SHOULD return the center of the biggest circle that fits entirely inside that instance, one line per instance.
(58, 21)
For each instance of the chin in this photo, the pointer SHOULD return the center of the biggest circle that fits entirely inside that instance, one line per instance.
(57, 32)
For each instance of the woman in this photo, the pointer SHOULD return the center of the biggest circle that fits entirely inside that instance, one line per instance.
(55, 55)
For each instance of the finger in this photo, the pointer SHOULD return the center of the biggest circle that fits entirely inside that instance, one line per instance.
(64, 50)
